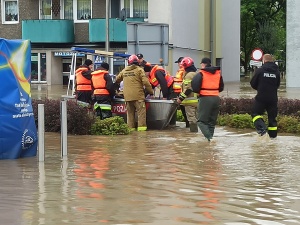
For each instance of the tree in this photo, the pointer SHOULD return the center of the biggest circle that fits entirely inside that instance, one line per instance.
(261, 21)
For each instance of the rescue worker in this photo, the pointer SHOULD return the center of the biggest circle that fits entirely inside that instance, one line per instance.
(103, 91)
(208, 83)
(134, 81)
(187, 97)
(142, 62)
(177, 88)
(83, 82)
(159, 76)
(266, 81)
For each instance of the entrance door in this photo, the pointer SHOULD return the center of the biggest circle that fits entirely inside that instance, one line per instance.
(38, 68)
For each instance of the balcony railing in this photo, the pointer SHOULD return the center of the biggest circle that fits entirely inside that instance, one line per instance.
(48, 31)
(117, 29)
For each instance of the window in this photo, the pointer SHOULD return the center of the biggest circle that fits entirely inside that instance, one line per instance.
(45, 9)
(135, 8)
(10, 11)
(68, 9)
(78, 10)
(84, 10)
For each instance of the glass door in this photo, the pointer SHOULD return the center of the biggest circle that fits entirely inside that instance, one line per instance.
(38, 68)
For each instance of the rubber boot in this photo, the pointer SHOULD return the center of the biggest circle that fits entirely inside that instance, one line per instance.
(193, 127)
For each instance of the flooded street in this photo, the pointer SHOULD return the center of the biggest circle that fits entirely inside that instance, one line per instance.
(156, 177)
(168, 177)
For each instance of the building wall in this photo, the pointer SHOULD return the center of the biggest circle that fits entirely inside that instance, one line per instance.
(198, 31)
(28, 9)
(230, 40)
(293, 43)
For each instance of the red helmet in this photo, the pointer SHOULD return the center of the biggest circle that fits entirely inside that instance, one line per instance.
(187, 62)
(133, 59)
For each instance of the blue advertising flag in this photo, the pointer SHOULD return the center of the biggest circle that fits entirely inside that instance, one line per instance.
(18, 135)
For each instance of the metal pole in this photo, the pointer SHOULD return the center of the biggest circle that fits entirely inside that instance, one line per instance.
(64, 129)
(212, 31)
(107, 28)
(41, 132)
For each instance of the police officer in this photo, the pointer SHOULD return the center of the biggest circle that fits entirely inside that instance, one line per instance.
(266, 81)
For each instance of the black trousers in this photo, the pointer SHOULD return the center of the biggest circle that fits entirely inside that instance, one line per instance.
(259, 108)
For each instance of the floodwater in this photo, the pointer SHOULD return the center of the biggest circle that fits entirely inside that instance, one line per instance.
(156, 178)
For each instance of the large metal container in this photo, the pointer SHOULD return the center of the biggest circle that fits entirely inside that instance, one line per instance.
(159, 112)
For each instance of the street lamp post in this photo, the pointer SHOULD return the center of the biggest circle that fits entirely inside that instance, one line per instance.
(107, 28)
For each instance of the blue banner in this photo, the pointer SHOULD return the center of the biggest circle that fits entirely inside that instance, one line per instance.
(18, 135)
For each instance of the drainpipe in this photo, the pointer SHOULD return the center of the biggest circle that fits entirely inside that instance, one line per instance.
(212, 31)
(107, 28)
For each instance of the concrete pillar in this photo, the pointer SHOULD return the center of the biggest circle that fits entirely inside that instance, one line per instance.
(293, 44)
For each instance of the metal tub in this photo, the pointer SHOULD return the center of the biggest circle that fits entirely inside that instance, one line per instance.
(158, 112)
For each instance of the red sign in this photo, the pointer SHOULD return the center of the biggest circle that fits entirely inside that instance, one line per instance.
(119, 109)
(257, 54)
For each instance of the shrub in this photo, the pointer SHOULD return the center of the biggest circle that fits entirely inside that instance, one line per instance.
(236, 121)
(288, 124)
(79, 120)
(110, 126)
(179, 116)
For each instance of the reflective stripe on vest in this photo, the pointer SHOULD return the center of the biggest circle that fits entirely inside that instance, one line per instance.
(99, 83)
(154, 81)
(82, 83)
(210, 83)
(177, 85)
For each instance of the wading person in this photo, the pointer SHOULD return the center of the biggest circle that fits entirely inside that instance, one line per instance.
(103, 91)
(134, 81)
(266, 81)
(208, 83)
(83, 82)
(187, 97)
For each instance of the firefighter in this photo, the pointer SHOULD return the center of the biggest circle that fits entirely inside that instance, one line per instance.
(103, 91)
(158, 76)
(134, 81)
(83, 82)
(177, 88)
(208, 83)
(187, 97)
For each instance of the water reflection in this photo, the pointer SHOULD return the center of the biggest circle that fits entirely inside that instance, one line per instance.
(156, 177)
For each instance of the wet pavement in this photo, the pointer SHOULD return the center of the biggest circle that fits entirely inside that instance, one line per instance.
(156, 177)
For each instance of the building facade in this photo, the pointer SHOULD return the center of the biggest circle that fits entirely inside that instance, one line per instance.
(207, 28)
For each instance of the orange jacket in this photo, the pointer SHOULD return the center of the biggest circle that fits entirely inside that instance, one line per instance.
(210, 83)
(177, 85)
(154, 81)
(99, 83)
(82, 83)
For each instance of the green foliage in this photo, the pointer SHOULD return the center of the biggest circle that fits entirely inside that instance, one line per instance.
(110, 126)
(179, 116)
(236, 120)
(288, 124)
(261, 20)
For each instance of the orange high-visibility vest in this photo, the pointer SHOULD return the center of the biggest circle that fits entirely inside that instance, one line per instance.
(99, 82)
(210, 83)
(154, 81)
(82, 83)
(177, 85)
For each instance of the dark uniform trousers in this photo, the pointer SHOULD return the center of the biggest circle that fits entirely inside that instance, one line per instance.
(259, 109)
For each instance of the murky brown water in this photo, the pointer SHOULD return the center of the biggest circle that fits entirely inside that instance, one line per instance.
(156, 177)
